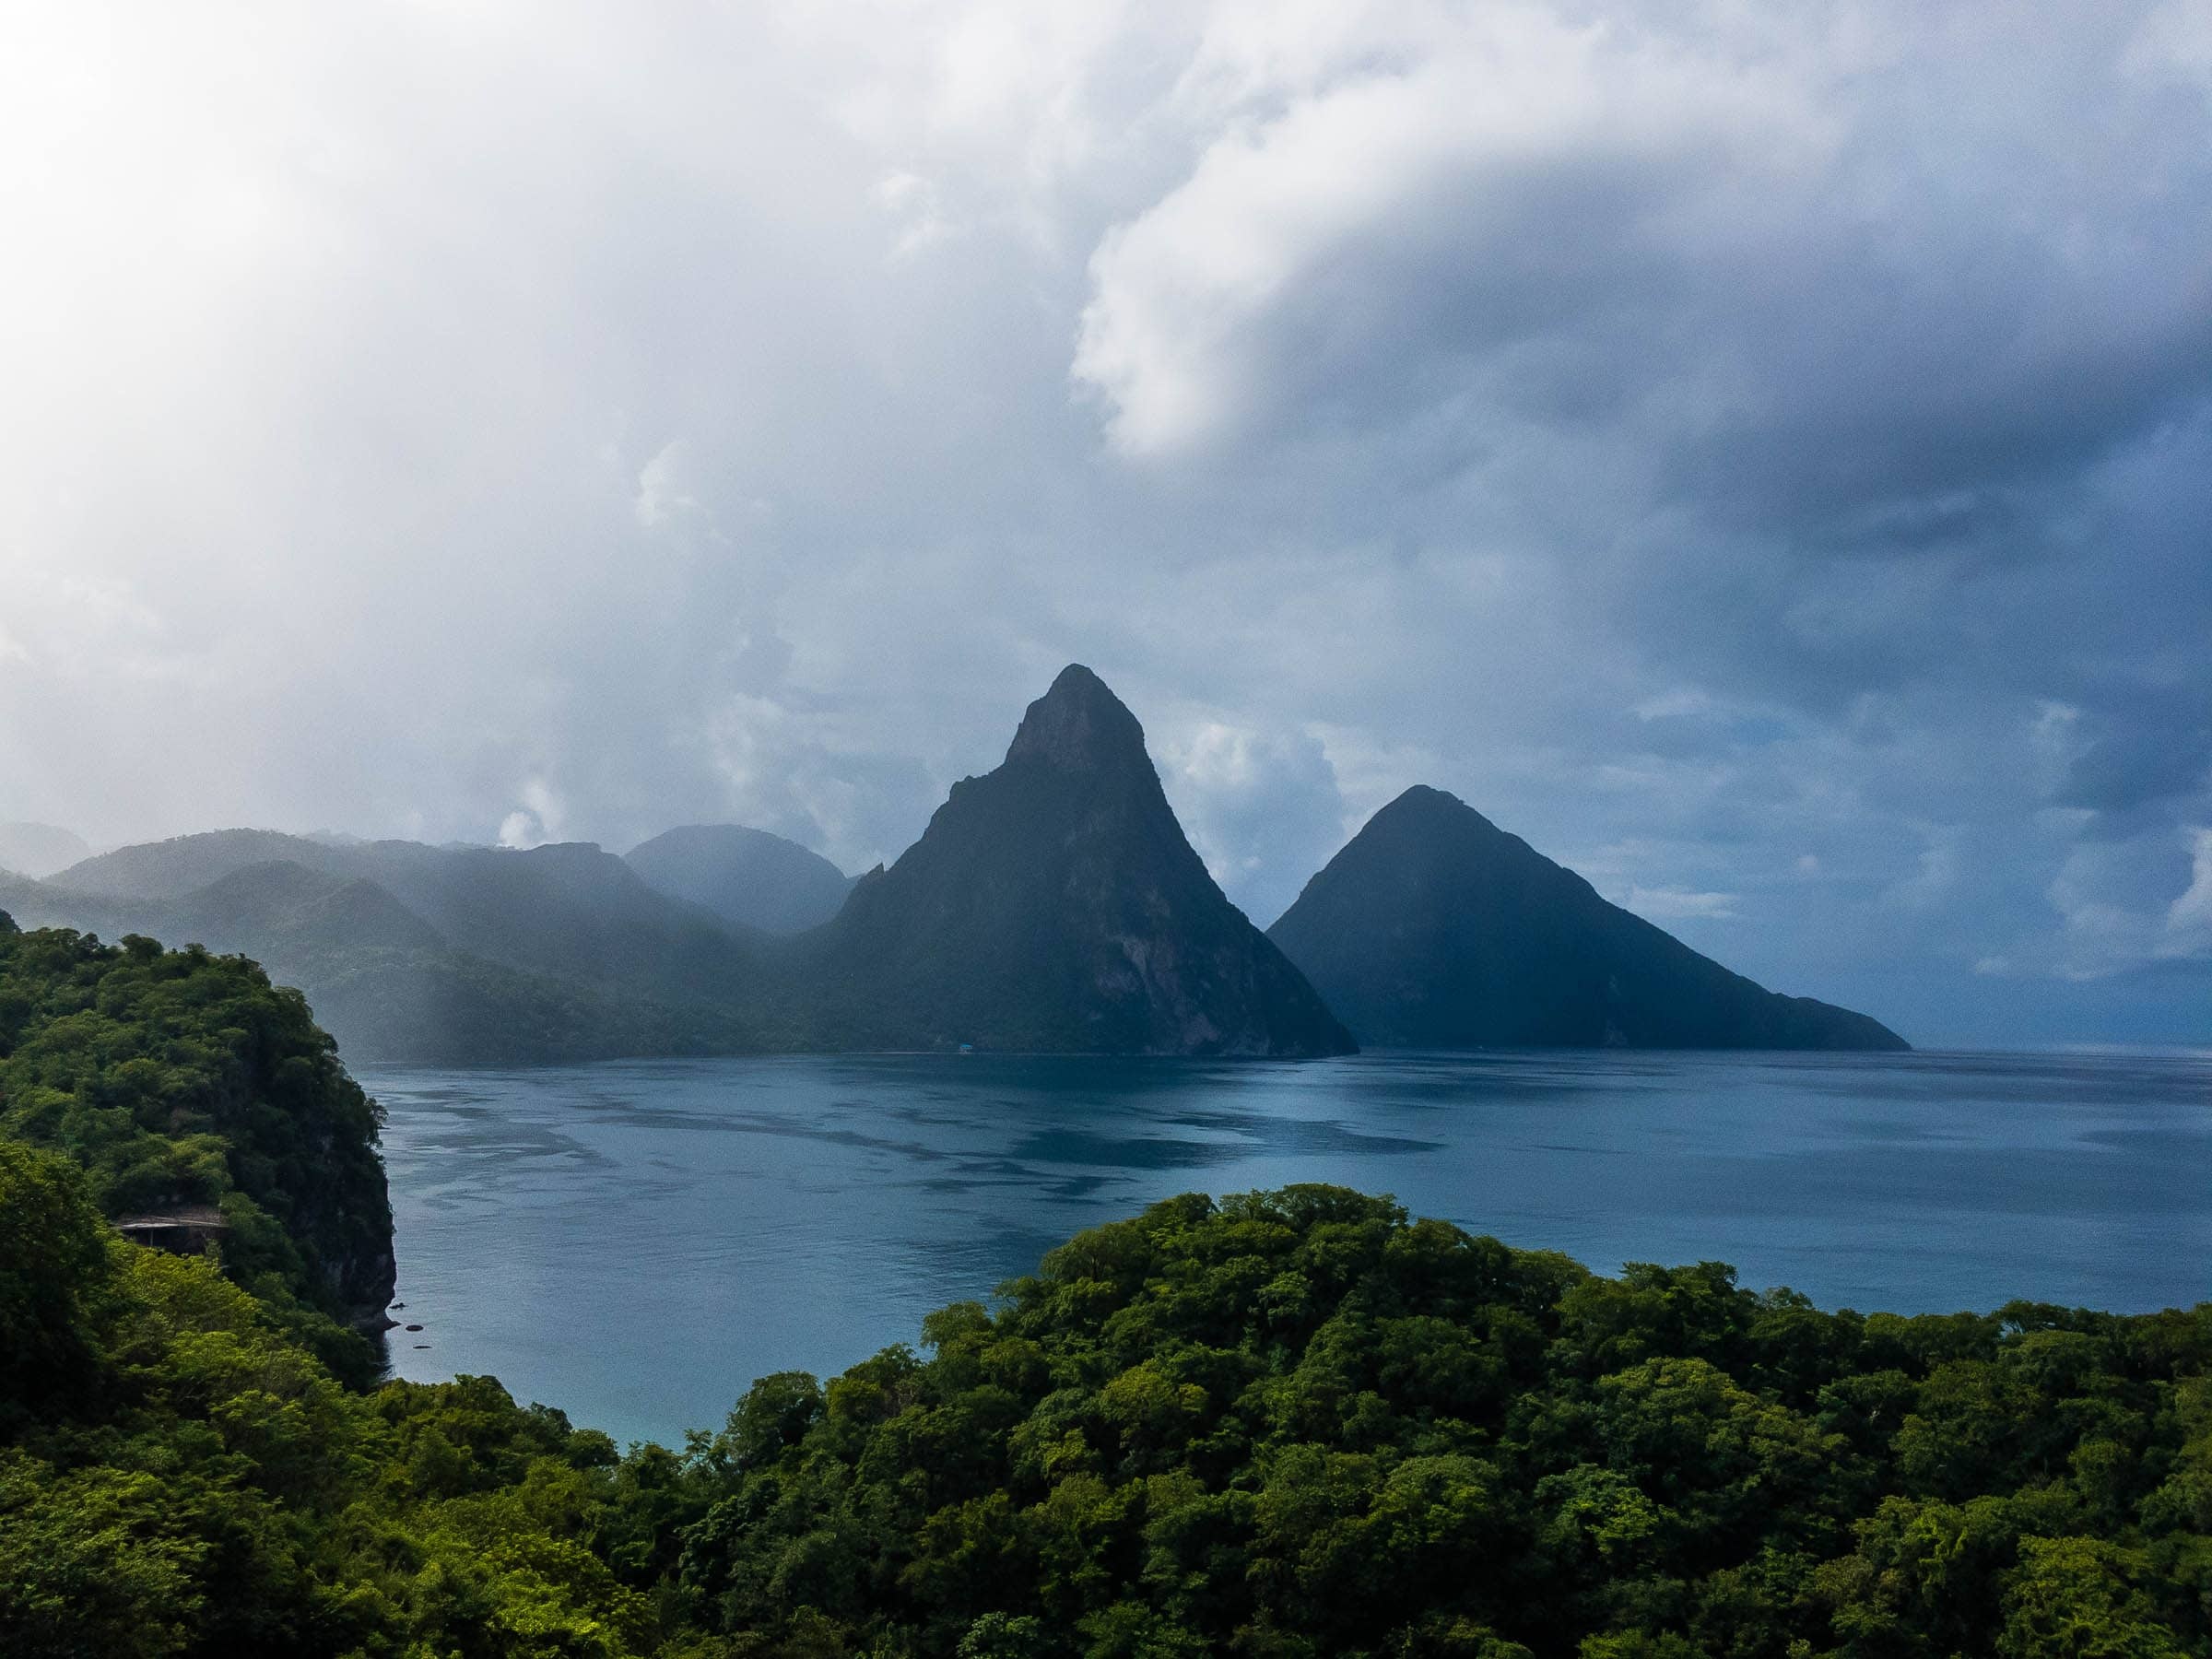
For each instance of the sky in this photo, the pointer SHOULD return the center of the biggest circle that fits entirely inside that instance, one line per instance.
(1761, 455)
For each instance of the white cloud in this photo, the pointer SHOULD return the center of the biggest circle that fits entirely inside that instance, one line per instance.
(911, 201)
(1262, 807)
(1935, 874)
(1668, 903)
(540, 818)
(1739, 434)
(662, 493)
(2189, 918)
(1683, 703)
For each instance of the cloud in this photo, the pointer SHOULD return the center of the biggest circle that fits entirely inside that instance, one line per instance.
(2149, 744)
(1724, 247)
(662, 494)
(1668, 904)
(1263, 809)
(2189, 918)
(537, 820)
(1706, 438)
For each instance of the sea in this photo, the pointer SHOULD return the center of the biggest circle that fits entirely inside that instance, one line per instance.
(635, 1242)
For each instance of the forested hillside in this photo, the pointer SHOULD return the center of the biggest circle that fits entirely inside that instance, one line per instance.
(177, 1078)
(1300, 1423)
(1293, 1423)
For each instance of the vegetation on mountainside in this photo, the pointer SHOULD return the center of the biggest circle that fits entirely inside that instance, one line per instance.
(177, 1078)
(1293, 1423)
(178, 1477)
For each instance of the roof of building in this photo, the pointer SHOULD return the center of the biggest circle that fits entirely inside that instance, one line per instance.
(184, 1215)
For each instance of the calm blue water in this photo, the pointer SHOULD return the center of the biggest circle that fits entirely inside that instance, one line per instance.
(634, 1242)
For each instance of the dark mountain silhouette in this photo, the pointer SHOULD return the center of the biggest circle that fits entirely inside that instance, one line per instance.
(1055, 906)
(744, 876)
(1436, 929)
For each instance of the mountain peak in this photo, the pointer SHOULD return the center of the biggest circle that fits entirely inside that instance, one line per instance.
(1054, 905)
(1077, 725)
(1434, 928)
(1422, 801)
(1431, 815)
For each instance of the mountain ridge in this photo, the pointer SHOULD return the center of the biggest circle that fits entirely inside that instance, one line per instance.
(1054, 904)
(1434, 928)
(746, 875)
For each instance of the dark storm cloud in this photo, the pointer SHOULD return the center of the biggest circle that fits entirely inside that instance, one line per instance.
(1761, 456)
(2149, 748)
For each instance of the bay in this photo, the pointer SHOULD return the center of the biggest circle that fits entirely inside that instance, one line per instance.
(635, 1242)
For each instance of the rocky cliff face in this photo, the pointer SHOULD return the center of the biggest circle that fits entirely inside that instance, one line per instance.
(1436, 929)
(1054, 905)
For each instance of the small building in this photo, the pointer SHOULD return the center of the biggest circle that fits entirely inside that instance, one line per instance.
(186, 1229)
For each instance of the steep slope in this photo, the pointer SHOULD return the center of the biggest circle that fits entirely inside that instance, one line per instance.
(744, 876)
(1435, 929)
(1055, 906)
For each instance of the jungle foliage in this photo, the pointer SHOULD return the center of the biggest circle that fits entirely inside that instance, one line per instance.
(1300, 1423)
(177, 1078)
(1291, 1423)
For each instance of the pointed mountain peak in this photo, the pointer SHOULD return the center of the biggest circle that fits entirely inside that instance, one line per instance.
(1434, 928)
(1423, 801)
(1423, 809)
(1054, 905)
(1079, 725)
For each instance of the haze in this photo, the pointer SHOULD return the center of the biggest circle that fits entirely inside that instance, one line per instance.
(1763, 457)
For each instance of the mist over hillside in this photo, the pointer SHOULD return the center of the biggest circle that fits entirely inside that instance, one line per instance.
(744, 876)
(39, 849)
(1054, 904)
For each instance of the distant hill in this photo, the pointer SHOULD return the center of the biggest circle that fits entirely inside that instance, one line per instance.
(184, 863)
(567, 907)
(437, 953)
(744, 876)
(1055, 905)
(39, 849)
(1436, 929)
(284, 910)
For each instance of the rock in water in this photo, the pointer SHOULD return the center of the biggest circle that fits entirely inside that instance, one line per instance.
(1055, 906)
(1434, 928)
